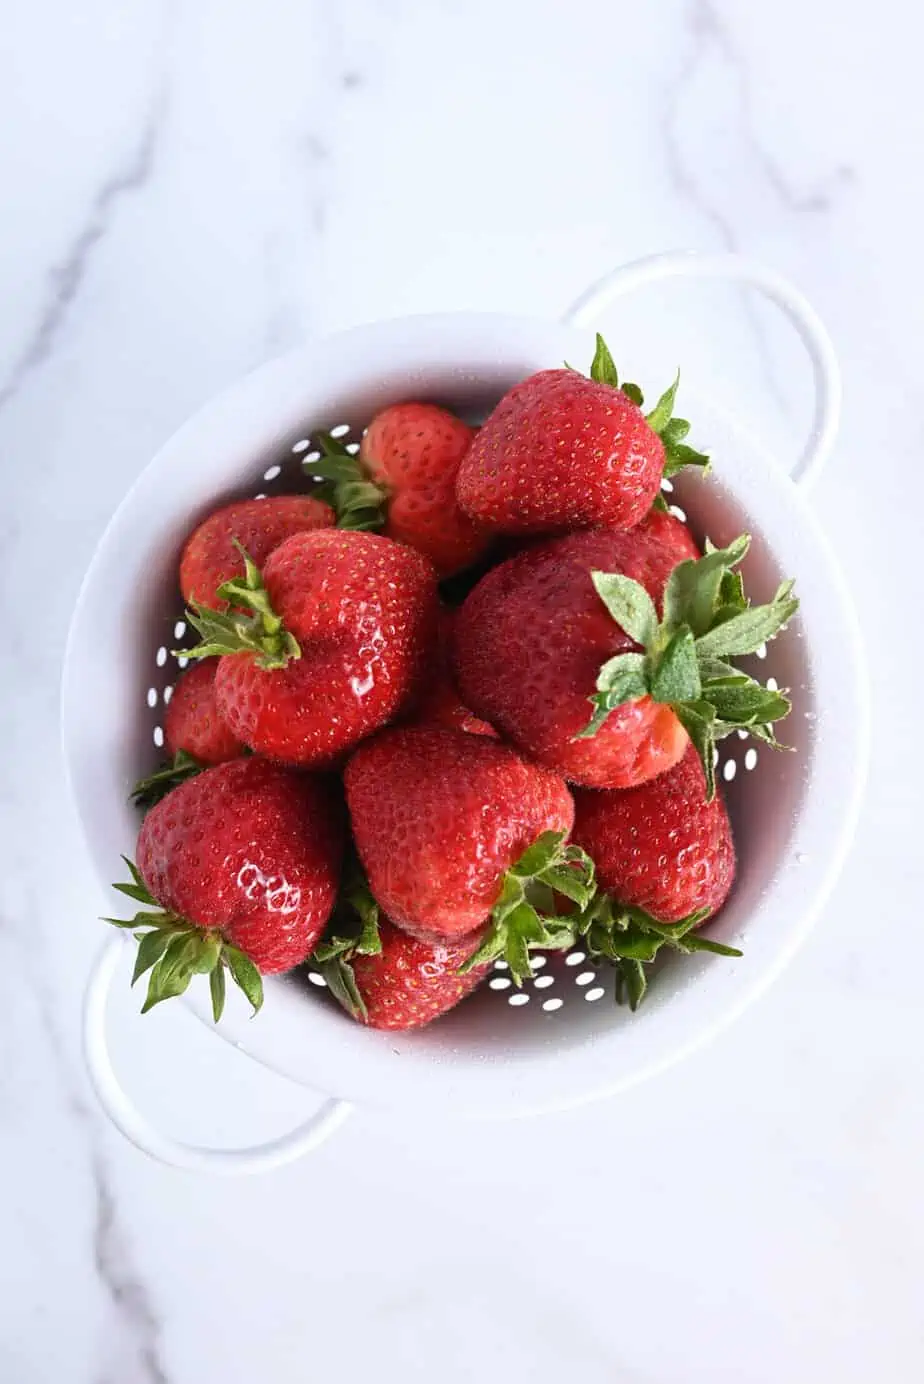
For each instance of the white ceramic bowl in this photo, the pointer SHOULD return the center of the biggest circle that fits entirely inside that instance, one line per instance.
(793, 814)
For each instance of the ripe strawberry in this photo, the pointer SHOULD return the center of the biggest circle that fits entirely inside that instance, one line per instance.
(454, 830)
(192, 722)
(439, 703)
(341, 624)
(670, 532)
(562, 452)
(544, 629)
(210, 557)
(665, 864)
(405, 983)
(237, 867)
(663, 846)
(403, 481)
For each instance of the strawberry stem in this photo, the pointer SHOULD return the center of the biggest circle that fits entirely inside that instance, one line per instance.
(260, 632)
(358, 502)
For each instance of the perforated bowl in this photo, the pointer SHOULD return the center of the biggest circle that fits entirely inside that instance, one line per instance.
(561, 1040)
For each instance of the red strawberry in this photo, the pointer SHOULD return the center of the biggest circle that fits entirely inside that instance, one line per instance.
(192, 722)
(454, 829)
(561, 452)
(662, 846)
(672, 533)
(407, 983)
(341, 624)
(540, 632)
(210, 558)
(666, 862)
(237, 867)
(530, 641)
(439, 703)
(404, 479)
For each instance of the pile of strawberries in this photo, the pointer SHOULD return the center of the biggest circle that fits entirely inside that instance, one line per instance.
(456, 703)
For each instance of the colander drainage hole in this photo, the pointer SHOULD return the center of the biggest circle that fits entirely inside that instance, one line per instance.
(729, 769)
(261, 496)
(316, 979)
(352, 448)
(340, 430)
(500, 983)
(518, 999)
(168, 693)
(773, 685)
(182, 660)
(160, 657)
(301, 445)
(667, 486)
(543, 982)
(552, 1004)
(179, 629)
(575, 958)
(678, 513)
(538, 962)
(158, 737)
(750, 759)
(585, 977)
(500, 966)
(313, 456)
(596, 993)
(761, 652)
(152, 696)
(271, 473)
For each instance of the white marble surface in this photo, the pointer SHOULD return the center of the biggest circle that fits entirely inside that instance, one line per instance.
(191, 187)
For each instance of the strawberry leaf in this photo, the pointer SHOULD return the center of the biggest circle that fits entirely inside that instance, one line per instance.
(245, 975)
(707, 620)
(632, 939)
(602, 367)
(150, 790)
(251, 625)
(633, 392)
(518, 924)
(358, 502)
(151, 948)
(217, 990)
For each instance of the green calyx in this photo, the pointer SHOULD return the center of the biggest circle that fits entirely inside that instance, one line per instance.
(250, 625)
(525, 917)
(174, 951)
(150, 790)
(358, 502)
(707, 620)
(352, 931)
(631, 939)
(672, 431)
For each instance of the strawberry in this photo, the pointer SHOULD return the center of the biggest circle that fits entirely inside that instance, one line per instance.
(545, 628)
(561, 451)
(402, 982)
(192, 722)
(332, 650)
(237, 868)
(665, 864)
(459, 834)
(439, 703)
(210, 557)
(194, 734)
(403, 481)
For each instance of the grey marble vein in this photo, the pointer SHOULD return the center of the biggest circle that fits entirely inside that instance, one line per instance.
(112, 1257)
(66, 278)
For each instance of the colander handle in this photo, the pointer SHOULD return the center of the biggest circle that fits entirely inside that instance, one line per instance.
(126, 1116)
(735, 268)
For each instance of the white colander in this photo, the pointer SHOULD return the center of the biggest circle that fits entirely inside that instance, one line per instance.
(561, 1040)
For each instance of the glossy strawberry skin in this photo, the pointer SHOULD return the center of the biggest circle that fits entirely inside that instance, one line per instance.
(439, 817)
(439, 703)
(209, 557)
(414, 450)
(411, 982)
(251, 849)
(530, 641)
(192, 721)
(363, 610)
(671, 533)
(661, 847)
(561, 452)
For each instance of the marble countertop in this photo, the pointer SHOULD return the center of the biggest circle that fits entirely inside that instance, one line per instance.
(194, 187)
